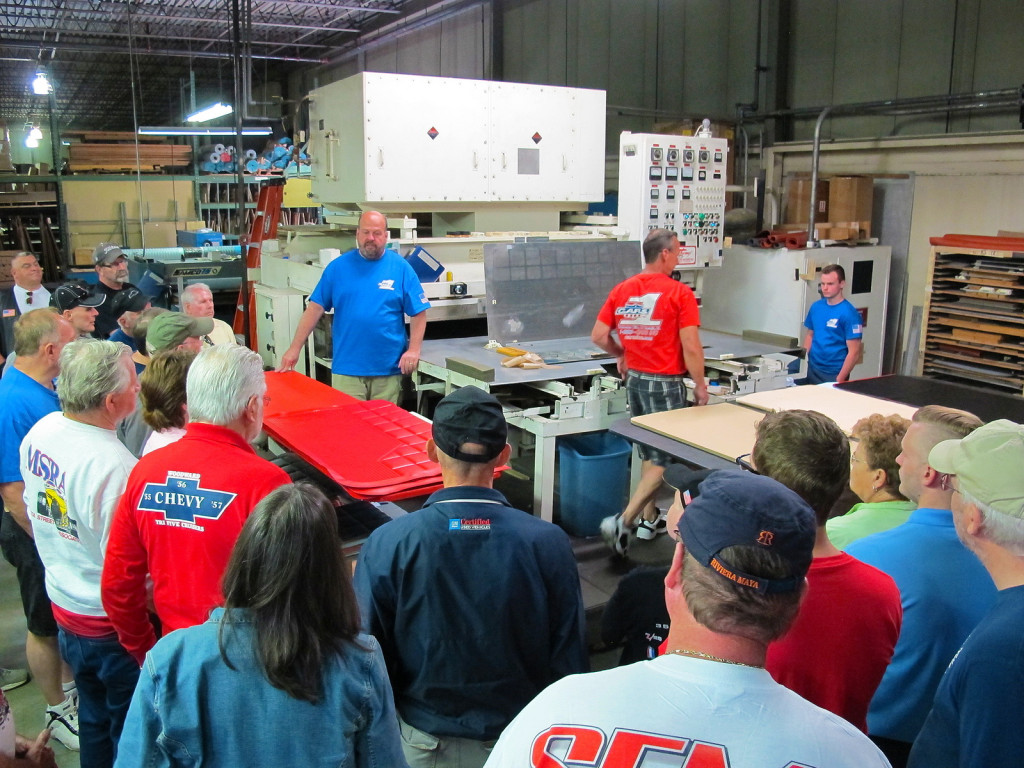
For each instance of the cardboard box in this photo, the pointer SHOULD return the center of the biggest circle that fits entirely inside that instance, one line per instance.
(198, 238)
(83, 257)
(850, 198)
(158, 234)
(798, 198)
(195, 226)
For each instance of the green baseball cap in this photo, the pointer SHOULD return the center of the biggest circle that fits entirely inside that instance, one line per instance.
(988, 463)
(170, 329)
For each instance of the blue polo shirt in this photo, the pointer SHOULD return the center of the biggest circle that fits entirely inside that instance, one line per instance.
(23, 402)
(833, 325)
(945, 592)
(370, 300)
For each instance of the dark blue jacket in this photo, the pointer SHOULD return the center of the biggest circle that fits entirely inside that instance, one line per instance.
(477, 607)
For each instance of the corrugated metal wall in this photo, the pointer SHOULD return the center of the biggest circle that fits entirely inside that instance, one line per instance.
(696, 58)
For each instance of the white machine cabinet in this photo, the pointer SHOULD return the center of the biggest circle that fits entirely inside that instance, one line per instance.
(771, 290)
(678, 183)
(277, 315)
(435, 143)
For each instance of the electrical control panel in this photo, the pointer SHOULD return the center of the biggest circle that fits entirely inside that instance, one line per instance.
(678, 183)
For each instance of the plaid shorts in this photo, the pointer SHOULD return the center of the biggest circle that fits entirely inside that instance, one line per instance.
(654, 393)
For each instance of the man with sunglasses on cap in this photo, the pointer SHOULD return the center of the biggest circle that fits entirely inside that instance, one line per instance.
(112, 269)
(735, 585)
(26, 294)
(476, 605)
(976, 717)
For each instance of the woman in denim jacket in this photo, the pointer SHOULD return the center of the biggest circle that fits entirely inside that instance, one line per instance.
(279, 676)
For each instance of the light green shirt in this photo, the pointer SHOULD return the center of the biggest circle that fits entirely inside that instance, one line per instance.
(865, 519)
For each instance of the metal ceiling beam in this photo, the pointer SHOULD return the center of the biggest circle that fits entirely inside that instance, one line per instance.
(99, 48)
(169, 19)
(190, 39)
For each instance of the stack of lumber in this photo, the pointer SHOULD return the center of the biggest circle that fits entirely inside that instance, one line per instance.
(122, 151)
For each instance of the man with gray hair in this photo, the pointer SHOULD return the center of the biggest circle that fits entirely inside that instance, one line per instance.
(27, 293)
(75, 471)
(26, 395)
(975, 719)
(185, 504)
(655, 322)
(197, 301)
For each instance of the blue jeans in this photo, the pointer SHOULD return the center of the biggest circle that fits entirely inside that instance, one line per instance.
(105, 674)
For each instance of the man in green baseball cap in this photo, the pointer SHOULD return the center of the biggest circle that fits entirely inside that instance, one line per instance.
(975, 719)
(175, 329)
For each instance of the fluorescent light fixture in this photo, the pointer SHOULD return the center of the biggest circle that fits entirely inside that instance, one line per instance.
(41, 86)
(162, 130)
(35, 133)
(208, 113)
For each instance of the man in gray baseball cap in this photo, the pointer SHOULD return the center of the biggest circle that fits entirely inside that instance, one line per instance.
(111, 265)
(975, 719)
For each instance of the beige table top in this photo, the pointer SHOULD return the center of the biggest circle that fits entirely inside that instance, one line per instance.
(845, 408)
(724, 429)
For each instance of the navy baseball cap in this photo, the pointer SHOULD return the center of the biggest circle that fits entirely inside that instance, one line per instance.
(128, 300)
(685, 480)
(470, 415)
(737, 508)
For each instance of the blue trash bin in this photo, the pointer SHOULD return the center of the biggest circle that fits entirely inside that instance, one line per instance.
(593, 476)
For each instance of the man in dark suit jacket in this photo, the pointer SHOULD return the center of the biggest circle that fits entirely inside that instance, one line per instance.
(27, 293)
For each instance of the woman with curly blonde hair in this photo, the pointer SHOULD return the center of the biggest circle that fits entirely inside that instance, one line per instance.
(875, 478)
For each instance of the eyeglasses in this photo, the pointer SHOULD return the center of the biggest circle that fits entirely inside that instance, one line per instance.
(946, 484)
(854, 458)
(114, 265)
(744, 463)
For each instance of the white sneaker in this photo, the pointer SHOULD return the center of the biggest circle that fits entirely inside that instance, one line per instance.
(62, 721)
(12, 678)
(615, 534)
(648, 530)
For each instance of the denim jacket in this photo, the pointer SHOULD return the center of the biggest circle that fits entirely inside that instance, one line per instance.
(191, 709)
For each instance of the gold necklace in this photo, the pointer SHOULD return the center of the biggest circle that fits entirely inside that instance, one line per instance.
(709, 657)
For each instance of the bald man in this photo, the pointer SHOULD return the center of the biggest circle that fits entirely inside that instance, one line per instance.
(370, 289)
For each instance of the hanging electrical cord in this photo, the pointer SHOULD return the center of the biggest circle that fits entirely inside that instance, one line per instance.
(133, 72)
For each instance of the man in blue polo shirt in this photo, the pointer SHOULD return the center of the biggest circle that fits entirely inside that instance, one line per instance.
(371, 289)
(834, 331)
(26, 395)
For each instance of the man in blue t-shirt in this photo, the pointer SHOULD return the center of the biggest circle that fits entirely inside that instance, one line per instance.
(370, 289)
(976, 719)
(834, 331)
(26, 395)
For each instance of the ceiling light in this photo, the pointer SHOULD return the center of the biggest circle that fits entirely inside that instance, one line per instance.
(35, 133)
(31, 143)
(41, 86)
(161, 130)
(209, 113)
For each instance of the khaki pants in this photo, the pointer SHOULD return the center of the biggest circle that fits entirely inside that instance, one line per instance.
(370, 387)
(423, 750)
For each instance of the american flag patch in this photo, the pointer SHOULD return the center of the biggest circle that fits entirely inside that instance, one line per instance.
(9, 313)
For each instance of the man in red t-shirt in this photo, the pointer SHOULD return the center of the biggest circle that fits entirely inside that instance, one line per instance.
(837, 650)
(655, 319)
